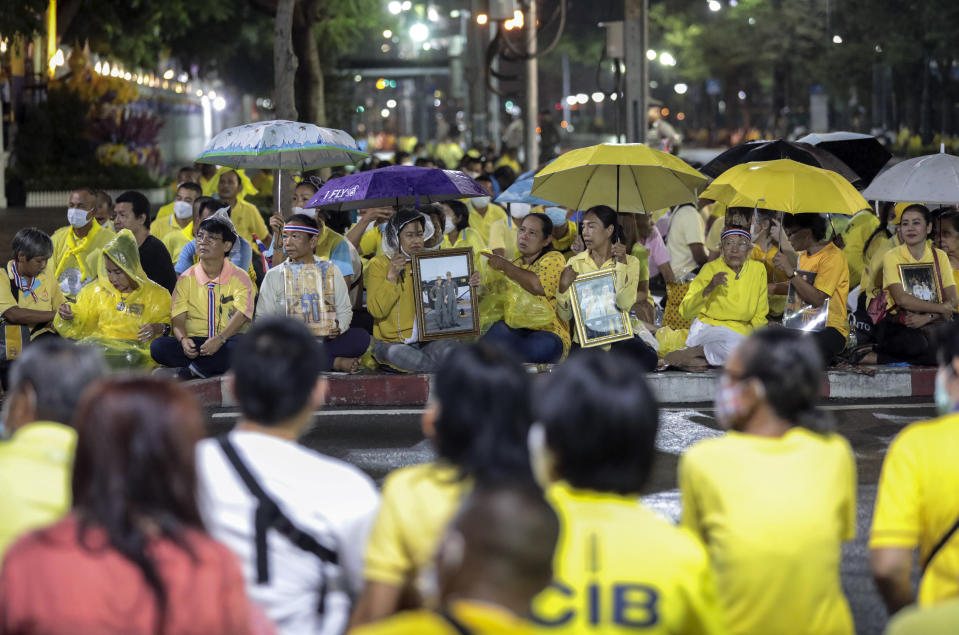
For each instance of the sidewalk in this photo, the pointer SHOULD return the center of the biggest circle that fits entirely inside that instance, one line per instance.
(670, 387)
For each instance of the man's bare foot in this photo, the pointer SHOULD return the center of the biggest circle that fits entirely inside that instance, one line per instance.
(346, 364)
(869, 358)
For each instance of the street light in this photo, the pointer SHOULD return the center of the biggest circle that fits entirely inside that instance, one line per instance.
(836, 39)
(666, 59)
(391, 103)
(650, 55)
(680, 88)
(394, 7)
(419, 32)
(714, 5)
(598, 97)
(582, 98)
(387, 34)
(482, 19)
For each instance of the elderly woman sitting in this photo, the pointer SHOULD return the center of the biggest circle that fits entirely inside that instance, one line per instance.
(726, 301)
(122, 311)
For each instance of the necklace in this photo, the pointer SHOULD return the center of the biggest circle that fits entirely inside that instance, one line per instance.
(122, 304)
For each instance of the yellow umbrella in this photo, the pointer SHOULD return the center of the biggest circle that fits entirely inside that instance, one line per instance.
(786, 186)
(629, 177)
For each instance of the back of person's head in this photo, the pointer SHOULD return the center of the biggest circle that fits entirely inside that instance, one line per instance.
(482, 396)
(791, 372)
(503, 538)
(31, 243)
(206, 203)
(505, 176)
(104, 199)
(57, 372)
(134, 474)
(139, 203)
(599, 421)
(295, 360)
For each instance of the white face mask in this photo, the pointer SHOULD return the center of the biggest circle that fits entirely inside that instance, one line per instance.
(540, 458)
(481, 202)
(892, 228)
(311, 212)
(449, 226)
(182, 209)
(77, 217)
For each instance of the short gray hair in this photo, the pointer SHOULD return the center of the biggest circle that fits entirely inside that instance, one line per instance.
(32, 243)
(59, 371)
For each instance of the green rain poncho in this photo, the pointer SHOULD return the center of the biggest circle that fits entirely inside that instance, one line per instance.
(112, 320)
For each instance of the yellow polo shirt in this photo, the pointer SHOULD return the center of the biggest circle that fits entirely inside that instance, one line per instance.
(621, 568)
(166, 210)
(247, 220)
(46, 296)
(832, 278)
(916, 502)
(391, 304)
(901, 256)
(166, 225)
(478, 618)
(467, 237)
(175, 241)
(741, 305)
(35, 471)
(563, 244)
(417, 504)
(860, 228)
(502, 235)
(233, 292)
(69, 252)
(773, 513)
(777, 303)
(482, 222)
(871, 281)
(371, 243)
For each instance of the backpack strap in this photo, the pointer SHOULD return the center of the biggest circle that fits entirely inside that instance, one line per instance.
(454, 623)
(268, 514)
(939, 545)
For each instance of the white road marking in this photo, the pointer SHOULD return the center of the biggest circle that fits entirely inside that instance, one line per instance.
(336, 413)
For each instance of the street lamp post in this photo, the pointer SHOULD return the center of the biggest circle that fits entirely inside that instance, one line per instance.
(532, 90)
(637, 72)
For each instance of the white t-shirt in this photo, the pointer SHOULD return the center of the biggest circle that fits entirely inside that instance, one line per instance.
(331, 500)
(686, 227)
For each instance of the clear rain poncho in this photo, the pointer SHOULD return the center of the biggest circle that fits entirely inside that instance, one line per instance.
(396, 223)
(112, 320)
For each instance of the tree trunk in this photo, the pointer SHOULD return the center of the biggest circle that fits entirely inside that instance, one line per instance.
(284, 74)
(925, 105)
(310, 77)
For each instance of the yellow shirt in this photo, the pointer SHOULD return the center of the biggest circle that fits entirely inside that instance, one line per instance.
(777, 303)
(35, 468)
(563, 244)
(901, 256)
(548, 269)
(478, 618)
(860, 228)
(625, 279)
(46, 296)
(167, 224)
(371, 243)
(773, 513)
(247, 220)
(467, 237)
(511, 162)
(621, 568)
(916, 502)
(233, 292)
(165, 211)
(418, 502)
(71, 253)
(938, 620)
(391, 304)
(482, 222)
(175, 241)
(741, 305)
(832, 278)
(871, 281)
(502, 235)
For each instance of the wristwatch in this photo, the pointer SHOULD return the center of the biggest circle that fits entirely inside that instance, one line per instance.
(792, 275)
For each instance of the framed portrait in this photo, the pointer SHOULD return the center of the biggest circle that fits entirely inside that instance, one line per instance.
(598, 321)
(309, 301)
(920, 281)
(445, 303)
(799, 314)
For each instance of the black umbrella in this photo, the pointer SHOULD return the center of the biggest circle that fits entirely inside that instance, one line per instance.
(863, 153)
(779, 149)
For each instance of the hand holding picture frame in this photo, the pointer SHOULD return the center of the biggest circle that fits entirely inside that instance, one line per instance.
(598, 320)
(446, 304)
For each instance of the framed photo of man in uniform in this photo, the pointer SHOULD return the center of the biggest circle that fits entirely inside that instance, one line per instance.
(446, 305)
(598, 320)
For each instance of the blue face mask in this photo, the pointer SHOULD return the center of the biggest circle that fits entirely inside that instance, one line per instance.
(944, 401)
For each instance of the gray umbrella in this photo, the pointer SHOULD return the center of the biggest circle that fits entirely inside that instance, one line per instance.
(933, 178)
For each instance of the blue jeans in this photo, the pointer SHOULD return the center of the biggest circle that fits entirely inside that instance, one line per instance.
(533, 347)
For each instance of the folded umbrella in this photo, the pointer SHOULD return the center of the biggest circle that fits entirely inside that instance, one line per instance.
(396, 186)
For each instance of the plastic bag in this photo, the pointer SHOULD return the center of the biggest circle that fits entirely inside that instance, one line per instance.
(524, 310)
(121, 354)
(670, 340)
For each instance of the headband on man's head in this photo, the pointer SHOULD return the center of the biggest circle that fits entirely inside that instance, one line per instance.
(735, 231)
(304, 229)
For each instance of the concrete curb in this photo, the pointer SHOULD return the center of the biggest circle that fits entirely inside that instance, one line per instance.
(672, 387)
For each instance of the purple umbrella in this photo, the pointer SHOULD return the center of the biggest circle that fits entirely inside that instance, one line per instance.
(395, 185)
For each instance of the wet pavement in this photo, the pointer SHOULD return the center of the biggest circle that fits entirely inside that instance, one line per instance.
(380, 440)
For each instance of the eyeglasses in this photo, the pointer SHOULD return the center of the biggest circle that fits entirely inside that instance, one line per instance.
(204, 237)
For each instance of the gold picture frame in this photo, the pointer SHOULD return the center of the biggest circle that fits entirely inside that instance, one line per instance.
(598, 320)
(444, 311)
(920, 281)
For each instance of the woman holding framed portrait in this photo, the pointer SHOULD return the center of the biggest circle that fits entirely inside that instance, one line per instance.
(536, 272)
(606, 250)
(912, 271)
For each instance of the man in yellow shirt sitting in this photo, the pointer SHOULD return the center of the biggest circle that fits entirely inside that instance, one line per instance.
(76, 247)
(916, 506)
(483, 213)
(36, 459)
(496, 556)
(182, 215)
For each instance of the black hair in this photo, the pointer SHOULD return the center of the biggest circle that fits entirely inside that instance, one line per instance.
(399, 156)
(187, 168)
(104, 199)
(295, 359)
(950, 216)
(505, 176)
(461, 214)
(608, 217)
(220, 227)
(818, 224)
(791, 372)
(423, 161)
(139, 202)
(922, 209)
(303, 219)
(484, 416)
(483, 177)
(59, 371)
(307, 183)
(190, 185)
(600, 419)
(206, 203)
(32, 243)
